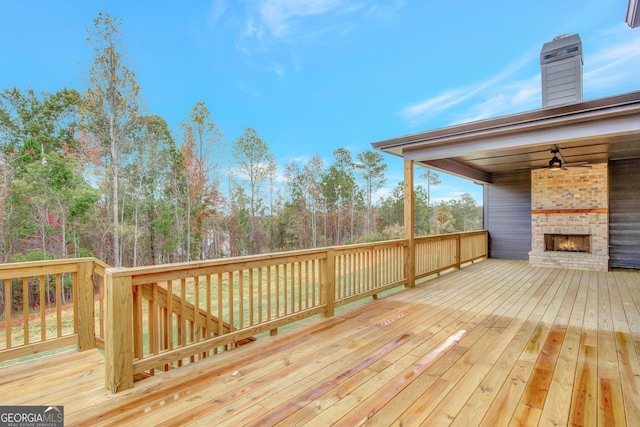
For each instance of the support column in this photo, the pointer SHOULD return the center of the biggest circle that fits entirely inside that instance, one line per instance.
(409, 224)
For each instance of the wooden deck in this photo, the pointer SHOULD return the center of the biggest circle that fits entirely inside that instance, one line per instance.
(497, 343)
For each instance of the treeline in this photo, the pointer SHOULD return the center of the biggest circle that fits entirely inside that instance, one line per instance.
(91, 174)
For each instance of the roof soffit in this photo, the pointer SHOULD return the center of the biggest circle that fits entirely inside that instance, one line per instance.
(628, 104)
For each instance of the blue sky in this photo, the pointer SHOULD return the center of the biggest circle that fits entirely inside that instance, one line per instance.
(315, 75)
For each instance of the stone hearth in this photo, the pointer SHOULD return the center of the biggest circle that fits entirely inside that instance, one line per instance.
(570, 202)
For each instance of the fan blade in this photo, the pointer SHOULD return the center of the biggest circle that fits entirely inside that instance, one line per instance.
(577, 164)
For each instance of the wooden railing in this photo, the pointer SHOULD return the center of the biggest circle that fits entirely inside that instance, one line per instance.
(159, 318)
(152, 319)
(162, 317)
(48, 305)
(366, 270)
(474, 245)
(435, 254)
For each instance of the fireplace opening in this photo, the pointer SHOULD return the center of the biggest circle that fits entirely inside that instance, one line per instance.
(567, 243)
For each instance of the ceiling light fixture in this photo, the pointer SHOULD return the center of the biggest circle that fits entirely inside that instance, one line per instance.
(555, 164)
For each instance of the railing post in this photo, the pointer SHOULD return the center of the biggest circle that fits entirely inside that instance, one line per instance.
(458, 251)
(86, 315)
(119, 332)
(486, 243)
(330, 284)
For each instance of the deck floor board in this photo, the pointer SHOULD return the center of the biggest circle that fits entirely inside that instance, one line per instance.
(496, 343)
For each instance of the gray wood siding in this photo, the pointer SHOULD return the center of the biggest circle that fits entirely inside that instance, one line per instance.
(507, 215)
(562, 82)
(624, 213)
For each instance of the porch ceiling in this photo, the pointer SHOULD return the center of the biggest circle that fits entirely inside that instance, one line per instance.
(595, 131)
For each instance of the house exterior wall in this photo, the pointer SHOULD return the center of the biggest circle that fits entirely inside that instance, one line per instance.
(507, 215)
(624, 213)
(584, 190)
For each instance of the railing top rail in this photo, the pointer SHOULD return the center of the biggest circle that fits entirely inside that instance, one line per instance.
(193, 267)
(471, 233)
(451, 235)
(370, 245)
(101, 264)
(41, 268)
(148, 274)
(45, 263)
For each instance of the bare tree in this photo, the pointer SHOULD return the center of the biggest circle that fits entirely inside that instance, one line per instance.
(255, 163)
(202, 144)
(110, 110)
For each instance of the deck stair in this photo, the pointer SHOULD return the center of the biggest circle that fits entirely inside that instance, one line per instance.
(209, 320)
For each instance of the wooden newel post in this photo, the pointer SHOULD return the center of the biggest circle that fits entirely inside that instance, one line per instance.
(118, 343)
(86, 315)
(485, 242)
(329, 288)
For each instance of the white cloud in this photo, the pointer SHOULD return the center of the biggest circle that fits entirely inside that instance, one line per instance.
(387, 11)
(277, 68)
(251, 30)
(436, 200)
(616, 62)
(445, 193)
(217, 9)
(527, 91)
(301, 159)
(292, 27)
(381, 193)
(515, 96)
(247, 89)
(280, 178)
(421, 112)
(241, 174)
(613, 64)
(424, 110)
(279, 14)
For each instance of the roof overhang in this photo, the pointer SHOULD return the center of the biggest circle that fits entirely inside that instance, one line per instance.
(633, 13)
(593, 131)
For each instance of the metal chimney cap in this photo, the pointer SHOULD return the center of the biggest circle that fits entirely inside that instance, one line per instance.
(562, 46)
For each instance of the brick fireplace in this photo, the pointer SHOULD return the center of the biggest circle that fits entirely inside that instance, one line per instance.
(570, 219)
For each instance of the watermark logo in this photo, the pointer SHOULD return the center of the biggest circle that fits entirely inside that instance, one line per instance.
(31, 416)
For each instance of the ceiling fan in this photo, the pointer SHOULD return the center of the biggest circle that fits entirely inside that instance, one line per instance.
(560, 164)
